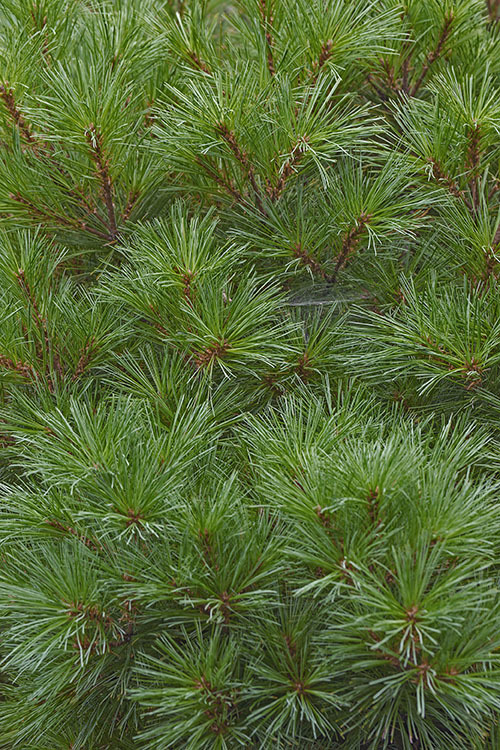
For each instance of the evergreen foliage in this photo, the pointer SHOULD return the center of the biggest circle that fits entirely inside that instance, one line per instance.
(249, 374)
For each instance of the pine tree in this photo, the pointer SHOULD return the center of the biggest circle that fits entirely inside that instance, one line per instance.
(249, 374)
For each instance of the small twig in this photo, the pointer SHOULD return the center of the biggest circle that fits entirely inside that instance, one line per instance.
(496, 238)
(76, 192)
(325, 53)
(473, 159)
(43, 149)
(441, 176)
(41, 324)
(95, 140)
(7, 96)
(220, 180)
(242, 157)
(210, 354)
(86, 355)
(42, 27)
(149, 118)
(21, 278)
(310, 262)
(47, 215)
(22, 368)
(157, 321)
(266, 19)
(69, 530)
(198, 62)
(389, 71)
(493, 8)
(132, 200)
(349, 244)
(494, 189)
(407, 51)
(376, 88)
(435, 53)
(287, 170)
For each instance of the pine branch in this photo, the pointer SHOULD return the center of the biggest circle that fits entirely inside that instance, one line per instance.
(43, 149)
(441, 176)
(214, 173)
(69, 530)
(266, 20)
(86, 355)
(435, 54)
(325, 54)
(133, 197)
(17, 366)
(310, 262)
(198, 63)
(349, 244)
(493, 10)
(242, 157)
(179, 411)
(473, 162)
(7, 96)
(46, 215)
(288, 169)
(95, 141)
(41, 324)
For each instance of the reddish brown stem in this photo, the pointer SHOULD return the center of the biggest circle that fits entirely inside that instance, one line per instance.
(41, 27)
(207, 549)
(435, 53)
(72, 532)
(376, 88)
(220, 180)
(198, 62)
(441, 176)
(389, 71)
(43, 149)
(242, 157)
(85, 359)
(349, 244)
(20, 367)
(209, 355)
(496, 238)
(286, 172)
(407, 53)
(494, 189)
(493, 8)
(310, 262)
(7, 96)
(325, 53)
(132, 200)
(266, 19)
(41, 324)
(95, 140)
(47, 215)
(76, 192)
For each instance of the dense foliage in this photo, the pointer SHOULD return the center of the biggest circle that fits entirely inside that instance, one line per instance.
(249, 374)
